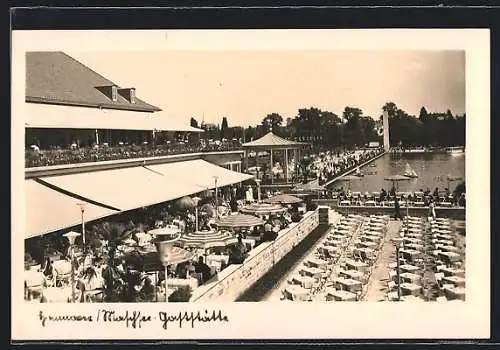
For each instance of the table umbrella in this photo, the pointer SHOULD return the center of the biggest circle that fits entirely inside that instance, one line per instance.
(283, 199)
(262, 209)
(206, 240)
(349, 178)
(239, 220)
(396, 178)
(185, 203)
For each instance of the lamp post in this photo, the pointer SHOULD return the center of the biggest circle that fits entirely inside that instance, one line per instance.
(258, 181)
(216, 204)
(397, 242)
(164, 258)
(82, 209)
(71, 236)
(196, 201)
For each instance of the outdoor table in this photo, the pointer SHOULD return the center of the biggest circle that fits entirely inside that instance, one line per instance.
(411, 298)
(445, 242)
(413, 229)
(250, 243)
(368, 244)
(311, 272)
(356, 265)
(364, 252)
(366, 238)
(455, 293)
(33, 278)
(389, 203)
(449, 248)
(338, 237)
(409, 268)
(348, 284)
(411, 289)
(414, 235)
(297, 293)
(448, 271)
(370, 203)
(62, 267)
(56, 294)
(304, 281)
(352, 274)
(419, 204)
(319, 263)
(410, 277)
(455, 280)
(330, 250)
(220, 259)
(445, 204)
(410, 254)
(372, 233)
(181, 282)
(346, 203)
(442, 236)
(343, 231)
(412, 240)
(335, 243)
(169, 230)
(343, 295)
(414, 246)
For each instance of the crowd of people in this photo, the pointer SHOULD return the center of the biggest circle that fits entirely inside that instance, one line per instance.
(327, 165)
(424, 197)
(57, 155)
(116, 262)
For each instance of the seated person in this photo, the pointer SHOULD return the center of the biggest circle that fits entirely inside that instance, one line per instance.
(238, 252)
(203, 269)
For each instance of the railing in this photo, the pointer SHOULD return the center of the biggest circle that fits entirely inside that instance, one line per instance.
(234, 280)
(88, 155)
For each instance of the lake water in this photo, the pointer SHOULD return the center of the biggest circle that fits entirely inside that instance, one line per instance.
(432, 169)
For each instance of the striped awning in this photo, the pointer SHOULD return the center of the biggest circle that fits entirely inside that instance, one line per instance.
(262, 209)
(206, 240)
(239, 220)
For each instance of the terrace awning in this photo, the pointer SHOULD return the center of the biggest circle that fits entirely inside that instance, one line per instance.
(51, 200)
(39, 115)
(124, 189)
(48, 210)
(199, 172)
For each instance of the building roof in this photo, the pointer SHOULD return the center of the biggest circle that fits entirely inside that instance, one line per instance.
(271, 140)
(54, 77)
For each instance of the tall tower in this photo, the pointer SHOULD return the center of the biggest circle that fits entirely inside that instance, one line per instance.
(385, 118)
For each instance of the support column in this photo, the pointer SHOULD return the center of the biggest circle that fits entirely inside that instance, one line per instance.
(271, 168)
(286, 165)
(246, 160)
(257, 164)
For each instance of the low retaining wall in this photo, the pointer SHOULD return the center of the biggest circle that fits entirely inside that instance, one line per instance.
(457, 213)
(234, 280)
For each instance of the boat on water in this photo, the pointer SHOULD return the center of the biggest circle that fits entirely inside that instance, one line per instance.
(371, 173)
(373, 165)
(455, 151)
(358, 172)
(409, 172)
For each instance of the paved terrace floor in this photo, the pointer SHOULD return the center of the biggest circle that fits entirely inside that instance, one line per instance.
(376, 289)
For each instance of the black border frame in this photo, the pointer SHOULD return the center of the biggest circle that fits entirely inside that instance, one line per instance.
(296, 15)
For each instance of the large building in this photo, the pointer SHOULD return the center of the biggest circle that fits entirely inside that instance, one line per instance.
(69, 103)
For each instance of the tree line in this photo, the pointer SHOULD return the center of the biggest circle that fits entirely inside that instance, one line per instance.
(352, 128)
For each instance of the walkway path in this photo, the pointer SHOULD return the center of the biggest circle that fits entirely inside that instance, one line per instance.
(269, 287)
(377, 285)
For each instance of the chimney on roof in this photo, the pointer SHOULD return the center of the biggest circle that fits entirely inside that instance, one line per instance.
(111, 91)
(128, 94)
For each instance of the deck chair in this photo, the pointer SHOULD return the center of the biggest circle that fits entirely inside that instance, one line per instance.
(391, 285)
(392, 296)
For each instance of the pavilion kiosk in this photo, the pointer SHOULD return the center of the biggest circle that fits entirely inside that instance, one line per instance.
(273, 143)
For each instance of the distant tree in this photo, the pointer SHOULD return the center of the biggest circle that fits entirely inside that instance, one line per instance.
(194, 123)
(273, 120)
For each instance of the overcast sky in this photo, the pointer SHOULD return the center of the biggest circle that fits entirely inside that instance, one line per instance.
(245, 86)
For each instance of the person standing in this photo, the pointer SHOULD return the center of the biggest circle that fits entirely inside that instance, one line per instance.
(397, 214)
(432, 211)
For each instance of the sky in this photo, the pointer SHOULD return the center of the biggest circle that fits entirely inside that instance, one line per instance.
(245, 86)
